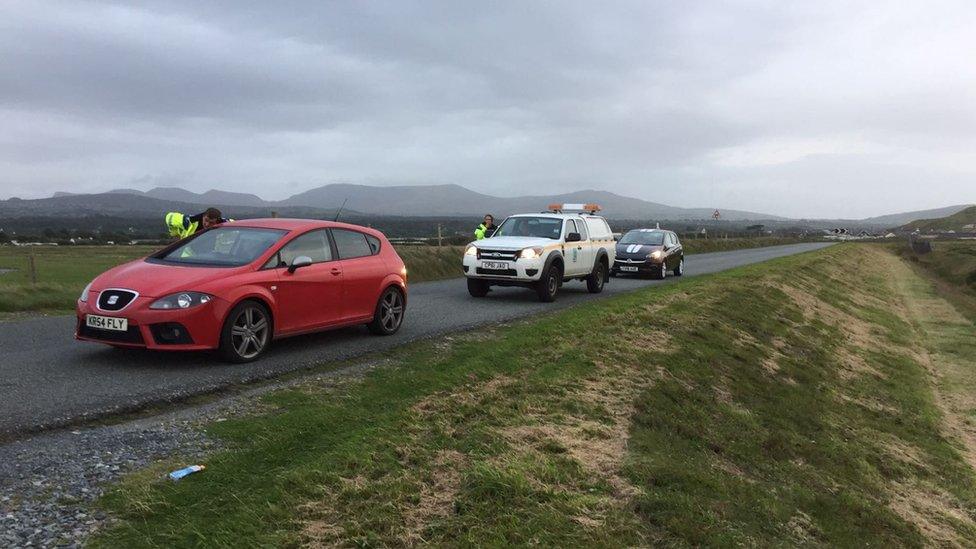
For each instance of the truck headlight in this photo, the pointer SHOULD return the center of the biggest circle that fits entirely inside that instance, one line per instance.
(531, 253)
(471, 250)
(656, 254)
(182, 300)
(84, 294)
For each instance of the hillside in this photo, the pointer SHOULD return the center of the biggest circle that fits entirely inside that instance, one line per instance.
(955, 222)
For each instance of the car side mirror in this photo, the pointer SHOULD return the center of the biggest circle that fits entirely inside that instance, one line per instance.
(299, 262)
(573, 237)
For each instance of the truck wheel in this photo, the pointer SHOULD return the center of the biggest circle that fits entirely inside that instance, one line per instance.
(477, 288)
(548, 285)
(594, 282)
(680, 269)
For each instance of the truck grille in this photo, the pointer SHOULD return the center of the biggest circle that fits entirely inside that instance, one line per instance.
(500, 255)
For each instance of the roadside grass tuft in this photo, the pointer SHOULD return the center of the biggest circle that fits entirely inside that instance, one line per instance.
(770, 405)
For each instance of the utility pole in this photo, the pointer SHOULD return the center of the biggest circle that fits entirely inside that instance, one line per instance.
(274, 213)
(440, 240)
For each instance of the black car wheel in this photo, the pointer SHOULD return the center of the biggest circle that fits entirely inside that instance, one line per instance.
(246, 333)
(662, 272)
(594, 282)
(680, 269)
(478, 288)
(549, 284)
(389, 312)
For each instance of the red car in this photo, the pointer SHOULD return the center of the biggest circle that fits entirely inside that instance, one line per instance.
(238, 286)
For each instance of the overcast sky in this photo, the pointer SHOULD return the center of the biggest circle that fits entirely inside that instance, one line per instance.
(807, 109)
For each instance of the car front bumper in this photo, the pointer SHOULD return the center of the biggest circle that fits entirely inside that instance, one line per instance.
(519, 271)
(647, 266)
(194, 329)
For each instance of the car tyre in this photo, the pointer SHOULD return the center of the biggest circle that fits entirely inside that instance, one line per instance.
(247, 332)
(478, 288)
(390, 310)
(596, 280)
(680, 269)
(548, 286)
(662, 272)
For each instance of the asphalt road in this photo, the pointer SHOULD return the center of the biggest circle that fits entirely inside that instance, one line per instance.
(48, 379)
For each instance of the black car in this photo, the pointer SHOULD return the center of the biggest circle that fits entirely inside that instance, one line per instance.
(650, 252)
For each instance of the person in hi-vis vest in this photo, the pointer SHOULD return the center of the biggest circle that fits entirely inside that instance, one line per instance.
(486, 229)
(182, 225)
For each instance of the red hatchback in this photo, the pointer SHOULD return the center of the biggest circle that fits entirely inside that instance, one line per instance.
(240, 285)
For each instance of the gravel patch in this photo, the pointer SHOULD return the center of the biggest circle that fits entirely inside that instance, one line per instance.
(49, 482)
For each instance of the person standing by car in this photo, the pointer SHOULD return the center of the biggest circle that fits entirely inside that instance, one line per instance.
(486, 229)
(182, 225)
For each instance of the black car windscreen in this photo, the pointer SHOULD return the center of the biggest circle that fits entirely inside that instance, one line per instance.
(223, 247)
(644, 238)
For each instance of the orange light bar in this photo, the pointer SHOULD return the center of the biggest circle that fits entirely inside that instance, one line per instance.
(592, 208)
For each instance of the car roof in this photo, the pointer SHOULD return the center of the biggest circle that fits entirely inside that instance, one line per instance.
(649, 231)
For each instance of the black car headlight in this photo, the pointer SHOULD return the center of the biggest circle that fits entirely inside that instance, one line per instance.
(182, 300)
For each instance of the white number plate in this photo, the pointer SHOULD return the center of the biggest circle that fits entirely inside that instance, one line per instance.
(628, 269)
(496, 265)
(107, 323)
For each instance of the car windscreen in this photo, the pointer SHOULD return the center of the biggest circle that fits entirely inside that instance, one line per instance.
(644, 238)
(223, 247)
(540, 227)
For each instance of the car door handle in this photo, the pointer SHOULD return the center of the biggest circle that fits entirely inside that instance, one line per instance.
(336, 272)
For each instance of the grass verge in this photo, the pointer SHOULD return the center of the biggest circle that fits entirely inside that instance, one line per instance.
(774, 404)
(952, 266)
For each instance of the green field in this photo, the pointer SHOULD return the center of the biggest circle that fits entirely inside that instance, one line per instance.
(779, 404)
(62, 271)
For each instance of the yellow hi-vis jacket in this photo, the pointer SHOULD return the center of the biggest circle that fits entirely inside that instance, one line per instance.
(180, 225)
(483, 232)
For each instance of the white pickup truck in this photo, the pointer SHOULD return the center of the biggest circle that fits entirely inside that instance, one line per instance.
(543, 250)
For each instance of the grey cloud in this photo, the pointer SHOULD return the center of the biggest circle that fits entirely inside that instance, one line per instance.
(759, 105)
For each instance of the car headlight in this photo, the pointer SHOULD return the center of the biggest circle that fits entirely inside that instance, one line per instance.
(182, 300)
(84, 294)
(531, 253)
(656, 254)
(471, 250)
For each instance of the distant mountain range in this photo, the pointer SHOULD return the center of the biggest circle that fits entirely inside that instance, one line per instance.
(408, 201)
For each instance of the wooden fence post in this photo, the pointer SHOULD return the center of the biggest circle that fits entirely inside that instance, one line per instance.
(31, 267)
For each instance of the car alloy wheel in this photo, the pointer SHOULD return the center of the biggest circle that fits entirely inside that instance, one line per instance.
(249, 333)
(391, 311)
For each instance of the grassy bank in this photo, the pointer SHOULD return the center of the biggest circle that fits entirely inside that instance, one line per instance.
(775, 404)
(701, 245)
(953, 265)
(62, 271)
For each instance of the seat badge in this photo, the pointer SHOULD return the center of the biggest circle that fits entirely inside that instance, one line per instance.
(113, 299)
